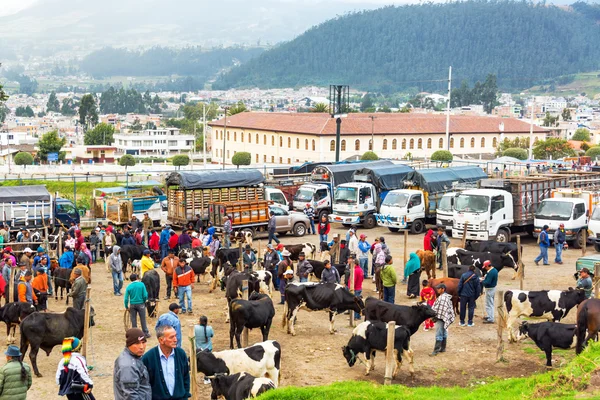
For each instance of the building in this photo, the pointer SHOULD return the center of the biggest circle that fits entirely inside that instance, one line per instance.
(154, 142)
(89, 154)
(294, 138)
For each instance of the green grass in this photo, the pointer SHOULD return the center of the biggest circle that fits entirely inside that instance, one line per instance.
(565, 383)
(585, 82)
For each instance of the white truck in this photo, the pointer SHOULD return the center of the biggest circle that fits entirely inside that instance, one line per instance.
(443, 214)
(594, 229)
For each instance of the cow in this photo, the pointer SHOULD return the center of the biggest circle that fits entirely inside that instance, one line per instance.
(234, 286)
(231, 256)
(261, 281)
(12, 314)
(409, 316)
(46, 330)
(451, 255)
(451, 289)
(494, 247)
(132, 252)
(239, 386)
(217, 273)
(151, 280)
(257, 312)
(61, 277)
(262, 360)
(456, 270)
(332, 297)
(371, 336)
(499, 261)
(85, 272)
(319, 266)
(588, 319)
(552, 305)
(547, 335)
(245, 237)
(427, 262)
(200, 266)
(309, 249)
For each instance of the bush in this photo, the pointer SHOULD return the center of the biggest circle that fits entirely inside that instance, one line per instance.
(593, 152)
(581, 134)
(23, 158)
(442, 155)
(127, 161)
(241, 158)
(516, 152)
(369, 156)
(181, 160)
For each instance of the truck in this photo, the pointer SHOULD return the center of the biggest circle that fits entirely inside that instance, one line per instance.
(501, 207)
(571, 207)
(324, 178)
(415, 206)
(357, 202)
(443, 214)
(34, 207)
(190, 192)
(594, 229)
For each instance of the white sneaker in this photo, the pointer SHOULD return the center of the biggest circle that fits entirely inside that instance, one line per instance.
(206, 381)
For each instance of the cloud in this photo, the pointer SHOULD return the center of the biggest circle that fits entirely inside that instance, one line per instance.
(10, 7)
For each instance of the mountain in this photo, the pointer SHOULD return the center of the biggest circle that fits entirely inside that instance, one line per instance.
(409, 46)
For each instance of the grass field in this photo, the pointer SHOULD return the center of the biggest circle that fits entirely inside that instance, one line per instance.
(585, 82)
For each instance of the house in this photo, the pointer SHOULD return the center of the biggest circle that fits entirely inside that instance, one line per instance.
(89, 154)
(154, 142)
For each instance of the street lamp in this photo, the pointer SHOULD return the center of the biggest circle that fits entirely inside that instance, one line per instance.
(224, 135)
(339, 104)
(372, 146)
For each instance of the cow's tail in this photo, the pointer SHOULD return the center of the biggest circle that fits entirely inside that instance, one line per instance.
(285, 317)
(582, 317)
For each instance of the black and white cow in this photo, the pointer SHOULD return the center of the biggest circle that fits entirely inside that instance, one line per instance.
(151, 280)
(371, 336)
(12, 314)
(231, 256)
(499, 261)
(494, 247)
(552, 305)
(309, 249)
(133, 252)
(239, 386)
(262, 281)
(456, 270)
(262, 360)
(257, 312)
(318, 296)
(547, 335)
(409, 316)
(196, 259)
(319, 266)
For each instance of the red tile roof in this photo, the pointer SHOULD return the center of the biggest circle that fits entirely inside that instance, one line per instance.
(384, 123)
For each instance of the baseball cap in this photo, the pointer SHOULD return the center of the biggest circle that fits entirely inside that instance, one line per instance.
(134, 336)
(174, 306)
(363, 236)
(441, 286)
(146, 251)
(587, 271)
(487, 263)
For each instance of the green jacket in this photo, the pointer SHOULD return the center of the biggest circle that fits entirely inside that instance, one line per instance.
(11, 386)
(388, 275)
(135, 293)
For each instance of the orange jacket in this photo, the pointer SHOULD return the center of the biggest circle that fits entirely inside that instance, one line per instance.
(168, 267)
(23, 292)
(40, 282)
(185, 278)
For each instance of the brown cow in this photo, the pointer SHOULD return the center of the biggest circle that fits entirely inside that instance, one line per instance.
(451, 289)
(427, 262)
(85, 272)
(588, 321)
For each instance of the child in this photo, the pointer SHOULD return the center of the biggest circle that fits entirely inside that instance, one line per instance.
(428, 296)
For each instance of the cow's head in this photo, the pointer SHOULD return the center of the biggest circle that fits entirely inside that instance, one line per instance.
(573, 297)
(424, 310)
(524, 328)
(220, 385)
(258, 296)
(508, 261)
(155, 256)
(209, 365)
(185, 253)
(349, 355)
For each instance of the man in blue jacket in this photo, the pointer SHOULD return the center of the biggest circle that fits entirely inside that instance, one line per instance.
(469, 289)
(163, 242)
(544, 244)
(67, 259)
(171, 319)
(559, 243)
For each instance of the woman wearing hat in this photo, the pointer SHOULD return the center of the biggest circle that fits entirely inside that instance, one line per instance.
(285, 273)
(249, 258)
(15, 376)
(72, 373)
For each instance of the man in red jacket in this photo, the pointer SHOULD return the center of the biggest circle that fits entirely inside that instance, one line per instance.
(173, 241)
(153, 243)
(183, 282)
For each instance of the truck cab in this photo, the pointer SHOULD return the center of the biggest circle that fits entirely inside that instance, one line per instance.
(355, 203)
(276, 196)
(65, 212)
(488, 214)
(317, 194)
(444, 211)
(594, 229)
(403, 209)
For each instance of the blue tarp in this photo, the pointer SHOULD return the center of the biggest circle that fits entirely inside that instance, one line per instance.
(436, 180)
(342, 173)
(387, 177)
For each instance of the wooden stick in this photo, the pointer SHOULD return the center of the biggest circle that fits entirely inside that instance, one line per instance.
(500, 323)
(351, 287)
(597, 279)
(86, 323)
(390, 362)
(444, 260)
(245, 292)
(60, 242)
(11, 286)
(193, 367)
(584, 246)
(521, 266)
(241, 260)
(405, 249)
(464, 238)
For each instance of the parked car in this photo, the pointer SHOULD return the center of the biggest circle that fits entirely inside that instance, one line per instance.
(290, 221)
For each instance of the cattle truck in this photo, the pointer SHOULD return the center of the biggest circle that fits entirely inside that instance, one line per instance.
(357, 202)
(323, 180)
(415, 206)
(501, 207)
(190, 192)
(34, 207)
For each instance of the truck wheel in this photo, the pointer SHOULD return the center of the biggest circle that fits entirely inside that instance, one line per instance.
(299, 229)
(597, 246)
(370, 222)
(321, 213)
(417, 226)
(578, 242)
(248, 230)
(394, 230)
(503, 236)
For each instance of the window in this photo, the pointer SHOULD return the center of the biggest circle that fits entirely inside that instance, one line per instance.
(235, 136)
(306, 144)
(272, 140)
(273, 159)
(280, 160)
(148, 143)
(394, 144)
(472, 142)
(429, 143)
(482, 142)
(497, 203)
(357, 145)
(370, 145)
(415, 200)
(257, 139)
(332, 145)
(494, 142)
(462, 142)
(66, 208)
(242, 135)
(320, 194)
(534, 142)
(257, 158)
(384, 144)
(411, 144)
(403, 144)
(297, 143)
(227, 135)
(227, 153)
(172, 143)
(289, 142)
(451, 142)
(278, 211)
(137, 143)
(280, 141)
(289, 160)
(314, 146)
(265, 158)
(420, 144)
(264, 140)
(343, 145)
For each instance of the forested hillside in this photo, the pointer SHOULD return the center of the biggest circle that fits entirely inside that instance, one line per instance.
(397, 47)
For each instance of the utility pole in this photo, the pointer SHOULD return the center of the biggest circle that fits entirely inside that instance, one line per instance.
(448, 109)
(339, 103)
(372, 147)
(531, 129)
(204, 132)
(224, 135)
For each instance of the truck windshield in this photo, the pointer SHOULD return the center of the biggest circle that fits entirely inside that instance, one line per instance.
(472, 203)
(445, 204)
(345, 195)
(554, 210)
(66, 208)
(304, 195)
(596, 214)
(396, 200)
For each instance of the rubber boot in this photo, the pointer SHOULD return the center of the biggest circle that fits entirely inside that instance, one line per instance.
(443, 347)
(437, 348)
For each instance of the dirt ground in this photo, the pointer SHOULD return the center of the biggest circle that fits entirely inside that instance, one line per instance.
(314, 357)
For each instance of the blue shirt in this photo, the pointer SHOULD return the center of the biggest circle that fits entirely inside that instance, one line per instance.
(170, 319)
(66, 260)
(491, 279)
(164, 237)
(204, 342)
(168, 368)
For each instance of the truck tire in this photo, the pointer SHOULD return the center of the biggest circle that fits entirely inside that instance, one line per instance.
(245, 230)
(370, 222)
(299, 229)
(417, 226)
(503, 235)
(394, 230)
(578, 242)
(597, 246)
(321, 213)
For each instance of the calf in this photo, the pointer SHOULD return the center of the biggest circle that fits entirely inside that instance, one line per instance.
(318, 296)
(151, 280)
(451, 289)
(547, 335)
(499, 261)
(12, 314)
(409, 316)
(451, 255)
(239, 386)
(552, 305)
(260, 360)
(309, 249)
(427, 262)
(61, 277)
(319, 266)
(258, 312)
(371, 336)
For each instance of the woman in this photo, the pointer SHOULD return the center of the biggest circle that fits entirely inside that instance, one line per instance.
(214, 245)
(15, 376)
(324, 228)
(88, 254)
(429, 240)
(204, 335)
(70, 241)
(196, 242)
(412, 270)
(79, 239)
(72, 373)
(154, 241)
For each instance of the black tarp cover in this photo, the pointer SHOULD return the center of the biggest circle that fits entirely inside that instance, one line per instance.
(387, 177)
(435, 180)
(17, 194)
(342, 173)
(210, 179)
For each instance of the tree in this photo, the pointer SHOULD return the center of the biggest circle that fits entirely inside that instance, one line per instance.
(101, 134)
(405, 109)
(552, 148)
(24, 112)
(369, 156)
(238, 108)
(51, 143)
(53, 104)
(23, 158)
(181, 160)
(320, 108)
(581, 134)
(88, 112)
(4, 111)
(518, 142)
(27, 85)
(241, 158)
(136, 126)
(366, 103)
(549, 120)
(593, 152)
(566, 114)
(489, 93)
(516, 152)
(68, 107)
(127, 161)
(442, 155)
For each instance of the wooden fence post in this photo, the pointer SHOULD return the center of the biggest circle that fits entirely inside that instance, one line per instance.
(500, 324)
(444, 260)
(193, 366)
(405, 249)
(464, 237)
(520, 265)
(86, 323)
(351, 287)
(390, 362)
(584, 246)
(597, 279)
(240, 266)
(10, 295)
(245, 292)
(60, 242)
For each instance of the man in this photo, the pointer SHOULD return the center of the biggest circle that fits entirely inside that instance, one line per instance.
(154, 241)
(184, 241)
(183, 281)
(139, 236)
(559, 243)
(163, 242)
(173, 241)
(272, 227)
(40, 286)
(329, 274)
(26, 257)
(67, 259)
(309, 211)
(116, 269)
(489, 284)
(135, 301)
(270, 261)
(585, 282)
(544, 242)
(108, 241)
(227, 230)
(135, 223)
(130, 376)
(284, 268)
(358, 280)
(334, 249)
(304, 267)
(353, 243)
(128, 239)
(388, 280)
(363, 255)
(441, 238)
(199, 223)
(168, 367)
(146, 264)
(248, 258)
(168, 266)
(37, 261)
(469, 290)
(78, 291)
(25, 290)
(171, 319)
(147, 224)
(444, 315)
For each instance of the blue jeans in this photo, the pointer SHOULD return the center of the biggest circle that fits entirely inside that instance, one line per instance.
(357, 293)
(164, 250)
(490, 294)
(464, 303)
(559, 250)
(364, 264)
(389, 294)
(440, 332)
(273, 236)
(182, 291)
(117, 281)
(312, 226)
(303, 279)
(543, 255)
(93, 256)
(322, 238)
(49, 273)
(226, 240)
